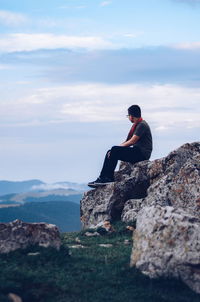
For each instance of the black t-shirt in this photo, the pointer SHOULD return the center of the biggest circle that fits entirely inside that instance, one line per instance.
(145, 141)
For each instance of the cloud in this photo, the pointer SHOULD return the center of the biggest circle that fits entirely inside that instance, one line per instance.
(105, 3)
(80, 6)
(72, 6)
(29, 42)
(132, 35)
(23, 82)
(166, 106)
(12, 19)
(59, 186)
(154, 65)
(5, 67)
(187, 45)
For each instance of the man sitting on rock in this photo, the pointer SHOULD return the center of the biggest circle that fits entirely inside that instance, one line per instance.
(137, 147)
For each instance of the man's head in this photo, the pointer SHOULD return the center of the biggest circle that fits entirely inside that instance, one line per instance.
(134, 111)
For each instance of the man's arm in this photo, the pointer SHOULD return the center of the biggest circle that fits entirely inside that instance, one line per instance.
(128, 143)
(131, 141)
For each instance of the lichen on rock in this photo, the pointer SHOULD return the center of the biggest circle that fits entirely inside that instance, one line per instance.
(167, 243)
(170, 181)
(164, 197)
(18, 234)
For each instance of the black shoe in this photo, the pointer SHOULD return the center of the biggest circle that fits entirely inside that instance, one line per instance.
(100, 182)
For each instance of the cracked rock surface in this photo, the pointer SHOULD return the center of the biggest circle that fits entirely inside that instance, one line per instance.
(163, 196)
(18, 234)
(167, 243)
(170, 181)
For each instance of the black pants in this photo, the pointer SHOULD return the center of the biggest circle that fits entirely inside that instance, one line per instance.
(128, 154)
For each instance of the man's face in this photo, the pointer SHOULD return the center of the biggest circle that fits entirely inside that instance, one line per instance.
(132, 119)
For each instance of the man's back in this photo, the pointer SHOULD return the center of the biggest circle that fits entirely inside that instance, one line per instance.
(145, 142)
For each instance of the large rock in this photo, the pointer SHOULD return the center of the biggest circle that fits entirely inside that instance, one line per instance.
(18, 234)
(164, 197)
(174, 181)
(170, 181)
(107, 202)
(131, 209)
(167, 243)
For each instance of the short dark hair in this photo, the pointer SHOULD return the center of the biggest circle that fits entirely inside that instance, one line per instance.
(134, 110)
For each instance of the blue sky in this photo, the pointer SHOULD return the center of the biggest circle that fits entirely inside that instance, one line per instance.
(69, 69)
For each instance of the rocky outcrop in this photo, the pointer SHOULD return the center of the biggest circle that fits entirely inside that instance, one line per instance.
(18, 234)
(167, 243)
(107, 202)
(178, 181)
(164, 197)
(170, 181)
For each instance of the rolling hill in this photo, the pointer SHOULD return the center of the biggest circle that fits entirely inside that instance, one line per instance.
(65, 214)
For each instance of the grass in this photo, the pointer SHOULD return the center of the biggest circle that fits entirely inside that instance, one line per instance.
(89, 274)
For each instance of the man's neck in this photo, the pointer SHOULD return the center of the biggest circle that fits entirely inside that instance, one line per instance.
(136, 120)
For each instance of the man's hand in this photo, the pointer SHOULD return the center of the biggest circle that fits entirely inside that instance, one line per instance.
(131, 141)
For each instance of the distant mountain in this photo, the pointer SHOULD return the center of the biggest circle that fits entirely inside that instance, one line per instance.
(9, 187)
(38, 197)
(36, 201)
(56, 195)
(66, 215)
(72, 198)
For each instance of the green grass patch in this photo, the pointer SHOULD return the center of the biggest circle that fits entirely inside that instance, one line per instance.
(88, 274)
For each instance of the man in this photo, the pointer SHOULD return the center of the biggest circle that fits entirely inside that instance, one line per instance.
(137, 147)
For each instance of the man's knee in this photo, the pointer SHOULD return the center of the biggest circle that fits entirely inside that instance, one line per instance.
(108, 152)
(115, 150)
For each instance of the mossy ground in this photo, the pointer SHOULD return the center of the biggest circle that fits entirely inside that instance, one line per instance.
(89, 274)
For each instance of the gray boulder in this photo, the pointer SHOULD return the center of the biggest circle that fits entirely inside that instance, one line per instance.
(173, 181)
(107, 202)
(131, 209)
(170, 181)
(164, 197)
(167, 243)
(18, 234)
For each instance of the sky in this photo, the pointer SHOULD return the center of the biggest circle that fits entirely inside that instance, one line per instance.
(69, 69)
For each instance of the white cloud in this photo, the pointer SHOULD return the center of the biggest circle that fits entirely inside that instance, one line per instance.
(23, 82)
(105, 3)
(29, 42)
(59, 186)
(187, 45)
(129, 35)
(80, 6)
(133, 34)
(161, 128)
(11, 19)
(4, 67)
(166, 106)
(74, 6)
